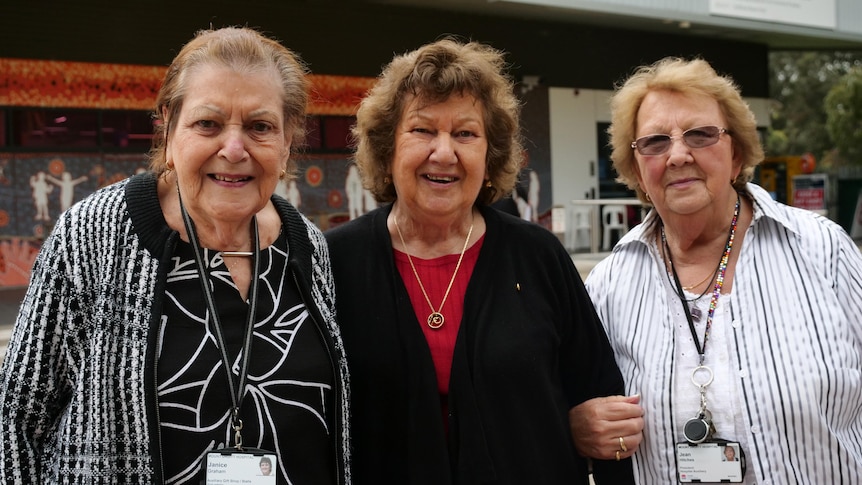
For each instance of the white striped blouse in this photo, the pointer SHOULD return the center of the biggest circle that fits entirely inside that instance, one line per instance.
(795, 346)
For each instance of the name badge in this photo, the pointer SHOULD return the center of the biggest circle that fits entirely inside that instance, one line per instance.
(710, 462)
(247, 467)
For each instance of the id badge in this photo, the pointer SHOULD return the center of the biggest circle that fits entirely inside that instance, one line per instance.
(247, 467)
(710, 462)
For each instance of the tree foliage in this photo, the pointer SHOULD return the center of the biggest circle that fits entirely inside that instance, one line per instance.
(800, 83)
(843, 108)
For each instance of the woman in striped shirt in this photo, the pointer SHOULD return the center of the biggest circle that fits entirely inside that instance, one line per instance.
(736, 318)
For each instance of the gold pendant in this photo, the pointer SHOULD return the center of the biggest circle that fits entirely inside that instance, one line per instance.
(435, 320)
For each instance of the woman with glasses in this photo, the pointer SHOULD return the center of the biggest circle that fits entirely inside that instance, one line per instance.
(736, 318)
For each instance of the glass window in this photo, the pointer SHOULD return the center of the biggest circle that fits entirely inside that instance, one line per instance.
(336, 132)
(127, 129)
(609, 188)
(55, 128)
(312, 133)
(328, 134)
(2, 127)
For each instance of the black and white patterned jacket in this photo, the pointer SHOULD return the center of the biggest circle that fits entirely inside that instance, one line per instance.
(77, 387)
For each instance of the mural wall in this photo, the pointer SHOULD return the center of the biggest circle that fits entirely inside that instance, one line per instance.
(36, 187)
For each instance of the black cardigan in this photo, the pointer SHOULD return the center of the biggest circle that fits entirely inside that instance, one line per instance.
(529, 348)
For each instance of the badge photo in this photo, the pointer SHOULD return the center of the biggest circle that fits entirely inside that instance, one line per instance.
(710, 462)
(229, 465)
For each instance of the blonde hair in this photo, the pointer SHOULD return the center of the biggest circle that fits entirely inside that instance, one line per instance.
(688, 77)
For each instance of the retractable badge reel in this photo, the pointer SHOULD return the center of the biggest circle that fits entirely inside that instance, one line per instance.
(700, 428)
(704, 458)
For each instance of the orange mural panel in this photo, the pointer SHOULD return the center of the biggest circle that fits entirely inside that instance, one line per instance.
(78, 84)
(59, 84)
(337, 95)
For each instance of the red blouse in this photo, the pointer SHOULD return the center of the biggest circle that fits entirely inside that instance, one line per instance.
(435, 275)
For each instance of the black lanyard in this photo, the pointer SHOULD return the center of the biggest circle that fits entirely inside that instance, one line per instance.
(679, 291)
(722, 268)
(236, 390)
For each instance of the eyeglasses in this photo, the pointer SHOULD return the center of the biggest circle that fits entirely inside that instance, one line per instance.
(699, 137)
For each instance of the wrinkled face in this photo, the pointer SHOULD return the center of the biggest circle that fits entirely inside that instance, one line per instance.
(684, 180)
(229, 143)
(439, 162)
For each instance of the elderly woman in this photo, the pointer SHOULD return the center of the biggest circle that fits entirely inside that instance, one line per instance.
(735, 317)
(186, 310)
(469, 332)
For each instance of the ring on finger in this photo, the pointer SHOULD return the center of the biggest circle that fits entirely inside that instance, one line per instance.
(623, 446)
(618, 455)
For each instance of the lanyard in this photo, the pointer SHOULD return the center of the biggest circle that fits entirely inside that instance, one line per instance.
(719, 282)
(236, 394)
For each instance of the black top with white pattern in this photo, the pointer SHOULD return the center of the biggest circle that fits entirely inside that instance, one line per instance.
(288, 404)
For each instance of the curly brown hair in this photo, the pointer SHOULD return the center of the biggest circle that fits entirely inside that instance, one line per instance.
(432, 74)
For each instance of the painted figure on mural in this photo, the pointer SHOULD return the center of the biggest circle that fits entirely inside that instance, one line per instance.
(3, 179)
(533, 195)
(67, 188)
(290, 191)
(369, 203)
(359, 199)
(519, 195)
(41, 189)
(526, 198)
(293, 195)
(353, 189)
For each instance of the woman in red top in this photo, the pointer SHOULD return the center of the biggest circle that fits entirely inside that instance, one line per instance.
(469, 334)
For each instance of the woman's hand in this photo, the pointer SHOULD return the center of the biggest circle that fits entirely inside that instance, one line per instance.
(607, 428)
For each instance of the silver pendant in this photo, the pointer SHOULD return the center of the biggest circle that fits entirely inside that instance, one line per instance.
(435, 320)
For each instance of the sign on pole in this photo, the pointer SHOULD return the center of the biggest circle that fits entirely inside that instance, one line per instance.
(809, 192)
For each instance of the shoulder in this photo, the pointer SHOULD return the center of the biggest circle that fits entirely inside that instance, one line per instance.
(514, 242)
(629, 263)
(518, 231)
(99, 212)
(810, 229)
(302, 233)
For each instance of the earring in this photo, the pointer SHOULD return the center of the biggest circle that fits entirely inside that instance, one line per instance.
(386, 180)
(282, 174)
(647, 197)
(488, 184)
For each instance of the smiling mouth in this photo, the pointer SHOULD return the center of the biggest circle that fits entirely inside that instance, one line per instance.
(682, 181)
(222, 178)
(439, 179)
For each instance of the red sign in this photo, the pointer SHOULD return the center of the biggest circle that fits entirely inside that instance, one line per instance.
(811, 199)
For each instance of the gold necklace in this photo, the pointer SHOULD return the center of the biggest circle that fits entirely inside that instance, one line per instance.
(689, 288)
(435, 319)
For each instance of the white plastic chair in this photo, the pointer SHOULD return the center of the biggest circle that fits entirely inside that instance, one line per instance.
(578, 228)
(614, 218)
